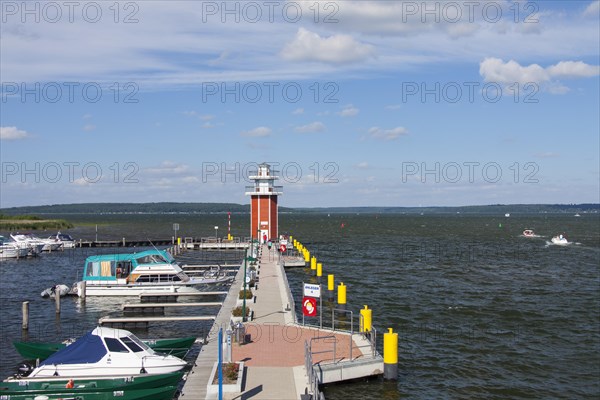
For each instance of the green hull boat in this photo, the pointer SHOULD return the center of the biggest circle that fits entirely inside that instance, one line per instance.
(177, 347)
(164, 393)
(45, 386)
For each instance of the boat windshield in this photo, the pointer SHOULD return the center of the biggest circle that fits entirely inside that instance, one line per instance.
(152, 259)
(134, 344)
(115, 345)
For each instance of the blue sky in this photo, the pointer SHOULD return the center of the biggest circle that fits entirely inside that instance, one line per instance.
(365, 103)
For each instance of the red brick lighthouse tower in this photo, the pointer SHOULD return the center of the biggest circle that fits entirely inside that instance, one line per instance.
(264, 220)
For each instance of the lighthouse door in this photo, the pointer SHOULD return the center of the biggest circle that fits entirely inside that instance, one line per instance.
(264, 235)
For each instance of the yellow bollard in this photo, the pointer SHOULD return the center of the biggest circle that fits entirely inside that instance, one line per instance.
(306, 256)
(341, 295)
(319, 270)
(330, 286)
(313, 264)
(291, 239)
(390, 355)
(366, 318)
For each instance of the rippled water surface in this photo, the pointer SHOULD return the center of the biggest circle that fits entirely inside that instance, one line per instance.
(481, 311)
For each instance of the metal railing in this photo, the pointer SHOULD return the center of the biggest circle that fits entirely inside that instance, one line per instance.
(292, 304)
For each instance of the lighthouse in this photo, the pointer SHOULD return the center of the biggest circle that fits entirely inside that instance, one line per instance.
(264, 220)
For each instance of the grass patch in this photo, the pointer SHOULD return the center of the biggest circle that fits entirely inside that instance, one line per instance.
(249, 294)
(237, 312)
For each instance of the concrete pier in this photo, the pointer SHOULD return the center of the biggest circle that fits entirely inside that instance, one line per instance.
(276, 349)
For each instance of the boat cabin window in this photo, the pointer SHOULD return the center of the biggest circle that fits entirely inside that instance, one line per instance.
(115, 345)
(123, 269)
(159, 278)
(131, 344)
(101, 268)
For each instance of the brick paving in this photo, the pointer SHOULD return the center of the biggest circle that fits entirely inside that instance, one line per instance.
(283, 346)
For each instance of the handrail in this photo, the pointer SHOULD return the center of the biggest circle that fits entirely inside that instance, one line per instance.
(286, 284)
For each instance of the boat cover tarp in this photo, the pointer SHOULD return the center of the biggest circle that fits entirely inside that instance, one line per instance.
(86, 350)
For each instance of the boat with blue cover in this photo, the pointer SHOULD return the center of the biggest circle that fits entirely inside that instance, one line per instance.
(105, 352)
(131, 274)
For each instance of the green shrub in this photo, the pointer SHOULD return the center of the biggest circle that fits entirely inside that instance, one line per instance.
(249, 294)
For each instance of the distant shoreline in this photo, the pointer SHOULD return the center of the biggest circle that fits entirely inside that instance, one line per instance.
(224, 208)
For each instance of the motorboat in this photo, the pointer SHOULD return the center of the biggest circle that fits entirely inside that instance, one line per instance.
(10, 249)
(134, 273)
(560, 240)
(33, 245)
(529, 233)
(67, 241)
(106, 351)
(84, 388)
(177, 347)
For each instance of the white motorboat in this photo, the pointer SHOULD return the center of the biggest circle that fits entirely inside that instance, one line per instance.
(67, 241)
(30, 242)
(560, 240)
(135, 273)
(10, 249)
(529, 233)
(106, 352)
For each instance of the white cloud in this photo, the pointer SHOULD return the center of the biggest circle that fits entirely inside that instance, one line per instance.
(86, 116)
(496, 70)
(593, 9)
(362, 165)
(348, 111)
(388, 134)
(261, 131)
(316, 126)
(573, 69)
(298, 111)
(89, 127)
(336, 49)
(12, 133)
(167, 168)
(510, 72)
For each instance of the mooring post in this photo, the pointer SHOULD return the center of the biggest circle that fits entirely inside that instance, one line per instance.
(57, 302)
(25, 310)
(82, 289)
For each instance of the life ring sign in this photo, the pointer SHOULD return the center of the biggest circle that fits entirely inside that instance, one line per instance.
(309, 306)
(282, 248)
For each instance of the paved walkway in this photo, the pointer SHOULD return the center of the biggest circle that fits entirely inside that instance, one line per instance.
(274, 356)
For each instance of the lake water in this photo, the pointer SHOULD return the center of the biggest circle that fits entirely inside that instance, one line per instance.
(481, 311)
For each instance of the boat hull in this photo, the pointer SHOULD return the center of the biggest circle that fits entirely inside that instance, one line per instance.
(134, 290)
(46, 386)
(161, 393)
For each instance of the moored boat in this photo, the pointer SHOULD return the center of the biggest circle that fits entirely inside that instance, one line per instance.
(78, 386)
(177, 347)
(10, 249)
(135, 273)
(159, 393)
(106, 352)
(67, 241)
(529, 233)
(33, 245)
